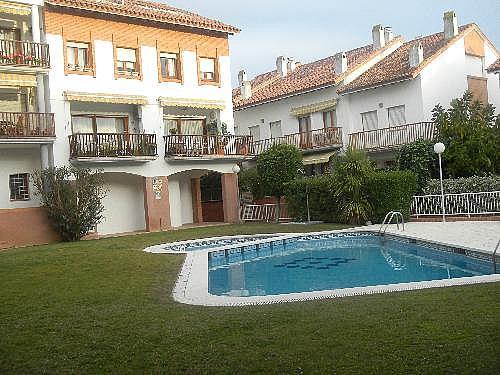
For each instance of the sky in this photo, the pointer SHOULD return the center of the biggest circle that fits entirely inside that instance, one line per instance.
(314, 29)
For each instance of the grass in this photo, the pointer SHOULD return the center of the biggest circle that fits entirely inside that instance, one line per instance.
(105, 307)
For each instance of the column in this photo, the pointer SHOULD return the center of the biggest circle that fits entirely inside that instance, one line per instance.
(35, 23)
(197, 207)
(46, 156)
(230, 197)
(35, 31)
(156, 204)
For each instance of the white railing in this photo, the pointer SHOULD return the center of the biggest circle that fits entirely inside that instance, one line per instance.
(484, 203)
(263, 212)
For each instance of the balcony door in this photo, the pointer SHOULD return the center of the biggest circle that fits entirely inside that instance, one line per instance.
(305, 131)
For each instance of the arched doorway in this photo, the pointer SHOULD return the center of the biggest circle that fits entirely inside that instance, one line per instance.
(211, 198)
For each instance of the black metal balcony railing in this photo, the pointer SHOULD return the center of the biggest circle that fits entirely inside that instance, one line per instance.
(24, 53)
(111, 145)
(314, 139)
(394, 137)
(26, 124)
(207, 145)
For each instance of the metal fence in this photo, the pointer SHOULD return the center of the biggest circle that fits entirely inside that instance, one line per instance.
(263, 212)
(469, 204)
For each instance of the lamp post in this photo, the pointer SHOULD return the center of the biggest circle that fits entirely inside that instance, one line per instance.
(303, 172)
(439, 149)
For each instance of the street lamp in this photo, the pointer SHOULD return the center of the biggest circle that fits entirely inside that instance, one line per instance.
(439, 149)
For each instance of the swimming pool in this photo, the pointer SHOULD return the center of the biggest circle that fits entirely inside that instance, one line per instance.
(317, 264)
(332, 264)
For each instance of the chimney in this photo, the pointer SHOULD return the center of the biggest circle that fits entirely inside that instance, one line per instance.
(416, 55)
(340, 62)
(242, 77)
(281, 66)
(450, 24)
(292, 64)
(246, 90)
(378, 37)
(388, 36)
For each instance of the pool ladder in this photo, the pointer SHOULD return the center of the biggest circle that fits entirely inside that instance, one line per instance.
(388, 219)
(494, 259)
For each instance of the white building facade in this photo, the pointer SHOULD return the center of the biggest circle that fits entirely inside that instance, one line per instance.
(148, 101)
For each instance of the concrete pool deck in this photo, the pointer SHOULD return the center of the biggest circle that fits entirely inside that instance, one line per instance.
(192, 283)
(472, 235)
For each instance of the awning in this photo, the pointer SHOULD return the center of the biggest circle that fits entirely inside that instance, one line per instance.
(23, 80)
(192, 103)
(314, 107)
(318, 158)
(15, 8)
(105, 98)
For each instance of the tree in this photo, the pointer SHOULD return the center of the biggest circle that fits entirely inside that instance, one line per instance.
(350, 171)
(471, 135)
(72, 198)
(249, 181)
(419, 157)
(276, 167)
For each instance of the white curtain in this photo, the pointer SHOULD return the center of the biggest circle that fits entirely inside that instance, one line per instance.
(70, 56)
(126, 54)
(109, 125)
(369, 120)
(396, 115)
(207, 65)
(81, 124)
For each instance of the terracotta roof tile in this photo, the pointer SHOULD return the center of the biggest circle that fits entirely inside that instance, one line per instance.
(271, 86)
(495, 67)
(396, 66)
(145, 10)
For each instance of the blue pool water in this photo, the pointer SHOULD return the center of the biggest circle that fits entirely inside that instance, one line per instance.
(322, 264)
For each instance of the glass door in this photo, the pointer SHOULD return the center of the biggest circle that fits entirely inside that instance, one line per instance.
(305, 131)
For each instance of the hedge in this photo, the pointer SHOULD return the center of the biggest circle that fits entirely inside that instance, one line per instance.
(390, 191)
(321, 203)
(473, 184)
(386, 191)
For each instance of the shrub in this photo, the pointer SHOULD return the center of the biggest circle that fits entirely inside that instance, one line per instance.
(322, 205)
(390, 191)
(350, 171)
(249, 181)
(471, 136)
(473, 184)
(73, 199)
(420, 158)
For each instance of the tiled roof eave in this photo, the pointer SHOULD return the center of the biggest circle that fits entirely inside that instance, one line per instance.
(224, 28)
(353, 90)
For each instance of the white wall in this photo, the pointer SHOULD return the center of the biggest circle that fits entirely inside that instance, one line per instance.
(123, 204)
(180, 198)
(25, 159)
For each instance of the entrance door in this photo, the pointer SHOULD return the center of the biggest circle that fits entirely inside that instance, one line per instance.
(211, 198)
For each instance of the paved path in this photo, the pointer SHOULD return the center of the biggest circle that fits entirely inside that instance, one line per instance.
(480, 235)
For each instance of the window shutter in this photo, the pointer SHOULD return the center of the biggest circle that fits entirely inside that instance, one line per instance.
(207, 65)
(369, 120)
(77, 45)
(396, 115)
(255, 132)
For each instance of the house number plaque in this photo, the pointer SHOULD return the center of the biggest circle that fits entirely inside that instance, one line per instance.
(157, 187)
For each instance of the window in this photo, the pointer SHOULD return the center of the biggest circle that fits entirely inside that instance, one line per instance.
(185, 125)
(78, 57)
(305, 131)
(275, 128)
(396, 115)
(207, 69)
(126, 62)
(170, 65)
(18, 184)
(255, 132)
(369, 120)
(89, 124)
(9, 34)
(478, 87)
(329, 119)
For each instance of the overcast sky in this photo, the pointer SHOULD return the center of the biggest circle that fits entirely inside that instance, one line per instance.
(310, 30)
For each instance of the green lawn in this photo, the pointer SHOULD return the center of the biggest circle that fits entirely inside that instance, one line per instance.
(104, 306)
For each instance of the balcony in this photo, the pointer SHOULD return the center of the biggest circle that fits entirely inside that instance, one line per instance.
(30, 127)
(112, 147)
(182, 146)
(391, 138)
(24, 54)
(320, 139)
